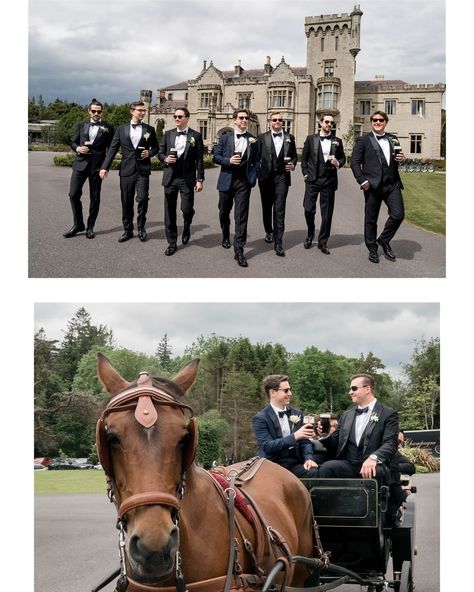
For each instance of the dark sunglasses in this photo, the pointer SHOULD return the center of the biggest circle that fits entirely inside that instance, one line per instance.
(242, 117)
(287, 390)
(178, 116)
(378, 120)
(356, 388)
(280, 120)
(331, 122)
(96, 110)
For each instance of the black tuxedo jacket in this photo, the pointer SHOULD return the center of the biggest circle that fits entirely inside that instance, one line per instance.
(367, 158)
(131, 161)
(270, 440)
(265, 142)
(380, 436)
(193, 164)
(311, 164)
(223, 153)
(97, 149)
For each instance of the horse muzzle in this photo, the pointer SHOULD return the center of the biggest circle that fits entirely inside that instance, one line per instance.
(152, 565)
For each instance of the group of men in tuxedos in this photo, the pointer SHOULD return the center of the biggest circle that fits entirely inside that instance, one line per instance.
(269, 158)
(362, 445)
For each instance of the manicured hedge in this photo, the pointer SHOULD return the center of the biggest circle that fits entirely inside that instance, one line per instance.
(156, 165)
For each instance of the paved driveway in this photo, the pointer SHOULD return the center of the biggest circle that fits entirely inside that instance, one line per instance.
(420, 253)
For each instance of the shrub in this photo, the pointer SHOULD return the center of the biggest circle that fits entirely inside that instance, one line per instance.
(421, 457)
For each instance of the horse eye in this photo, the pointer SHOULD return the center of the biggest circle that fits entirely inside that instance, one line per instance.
(113, 439)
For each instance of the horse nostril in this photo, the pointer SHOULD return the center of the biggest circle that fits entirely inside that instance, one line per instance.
(138, 550)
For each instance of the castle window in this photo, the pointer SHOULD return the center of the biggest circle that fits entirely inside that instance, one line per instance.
(390, 106)
(328, 96)
(328, 67)
(336, 43)
(170, 96)
(207, 100)
(322, 43)
(280, 98)
(418, 107)
(415, 143)
(203, 128)
(364, 107)
(244, 100)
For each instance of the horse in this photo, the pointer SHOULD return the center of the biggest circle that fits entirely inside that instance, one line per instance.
(176, 522)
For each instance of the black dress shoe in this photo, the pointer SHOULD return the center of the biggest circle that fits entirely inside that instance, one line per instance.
(186, 234)
(241, 260)
(171, 250)
(269, 238)
(90, 233)
(373, 257)
(308, 241)
(142, 235)
(74, 230)
(324, 249)
(125, 237)
(226, 243)
(279, 251)
(387, 251)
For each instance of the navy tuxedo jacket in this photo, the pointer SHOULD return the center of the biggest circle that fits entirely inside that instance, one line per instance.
(380, 436)
(97, 149)
(193, 164)
(367, 158)
(222, 155)
(265, 142)
(270, 440)
(311, 164)
(131, 161)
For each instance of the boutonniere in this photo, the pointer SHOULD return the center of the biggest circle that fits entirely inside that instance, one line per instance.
(252, 140)
(294, 419)
(192, 140)
(374, 417)
(395, 141)
(288, 140)
(335, 143)
(103, 129)
(146, 135)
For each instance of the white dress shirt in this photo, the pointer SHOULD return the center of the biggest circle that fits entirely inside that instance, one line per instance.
(362, 421)
(240, 143)
(277, 141)
(180, 142)
(385, 145)
(284, 423)
(93, 130)
(136, 135)
(325, 145)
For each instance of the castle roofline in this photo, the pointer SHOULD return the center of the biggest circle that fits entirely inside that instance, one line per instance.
(178, 86)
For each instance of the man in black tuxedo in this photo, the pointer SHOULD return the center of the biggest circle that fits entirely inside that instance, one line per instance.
(323, 154)
(374, 162)
(365, 440)
(137, 142)
(281, 435)
(277, 158)
(182, 152)
(90, 142)
(237, 154)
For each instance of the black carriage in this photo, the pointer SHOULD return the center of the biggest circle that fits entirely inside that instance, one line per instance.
(354, 527)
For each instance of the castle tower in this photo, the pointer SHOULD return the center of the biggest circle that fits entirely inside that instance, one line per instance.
(145, 96)
(332, 47)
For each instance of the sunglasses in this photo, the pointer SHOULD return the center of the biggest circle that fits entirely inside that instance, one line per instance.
(242, 117)
(378, 120)
(280, 120)
(96, 110)
(356, 388)
(330, 122)
(286, 390)
(178, 116)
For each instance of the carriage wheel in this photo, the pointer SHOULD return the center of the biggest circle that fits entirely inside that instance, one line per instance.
(406, 580)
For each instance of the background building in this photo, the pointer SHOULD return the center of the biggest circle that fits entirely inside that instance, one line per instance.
(326, 84)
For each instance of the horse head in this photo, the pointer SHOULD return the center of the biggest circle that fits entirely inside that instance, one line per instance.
(146, 439)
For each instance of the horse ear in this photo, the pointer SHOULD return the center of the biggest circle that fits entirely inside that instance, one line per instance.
(109, 377)
(186, 377)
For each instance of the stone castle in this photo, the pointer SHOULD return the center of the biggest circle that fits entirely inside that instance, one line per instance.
(326, 84)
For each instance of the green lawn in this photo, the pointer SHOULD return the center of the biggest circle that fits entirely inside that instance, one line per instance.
(425, 200)
(85, 481)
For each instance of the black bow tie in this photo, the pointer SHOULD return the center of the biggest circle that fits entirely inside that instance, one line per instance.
(325, 137)
(244, 135)
(95, 123)
(359, 411)
(381, 137)
(181, 133)
(278, 135)
(283, 413)
(134, 125)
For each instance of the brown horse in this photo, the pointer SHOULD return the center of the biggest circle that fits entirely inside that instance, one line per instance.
(175, 521)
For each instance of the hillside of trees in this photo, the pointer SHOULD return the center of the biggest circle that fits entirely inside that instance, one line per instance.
(228, 392)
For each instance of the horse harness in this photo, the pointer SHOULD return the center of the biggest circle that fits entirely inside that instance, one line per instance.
(143, 397)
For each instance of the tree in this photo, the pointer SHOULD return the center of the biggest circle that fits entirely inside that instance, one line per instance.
(164, 353)
(349, 138)
(64, 129)
(80, 337)
(212, 429)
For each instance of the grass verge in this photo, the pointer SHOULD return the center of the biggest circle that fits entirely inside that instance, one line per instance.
(425, 200)
(86, 481)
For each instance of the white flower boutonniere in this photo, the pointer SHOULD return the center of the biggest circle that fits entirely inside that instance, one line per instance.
(103, 129)
(288, 140)
(295, 419)
(335, 143)
(146, 135)
(192, 140)
(252, 140)
(374, 417)
(395, 141)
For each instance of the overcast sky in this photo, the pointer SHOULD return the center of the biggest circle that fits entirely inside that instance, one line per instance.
(388, 330)
(112, 50)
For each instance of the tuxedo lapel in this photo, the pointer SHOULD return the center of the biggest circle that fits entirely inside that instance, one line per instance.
(274, 420)
(316, 143)
(268, 143)
(346, 429)
(377, 410)
(378, 150)
(286, 144)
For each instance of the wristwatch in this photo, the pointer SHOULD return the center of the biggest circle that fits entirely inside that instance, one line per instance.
(374, 457)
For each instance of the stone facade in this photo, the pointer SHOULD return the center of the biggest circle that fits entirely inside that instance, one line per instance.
(326, 84)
